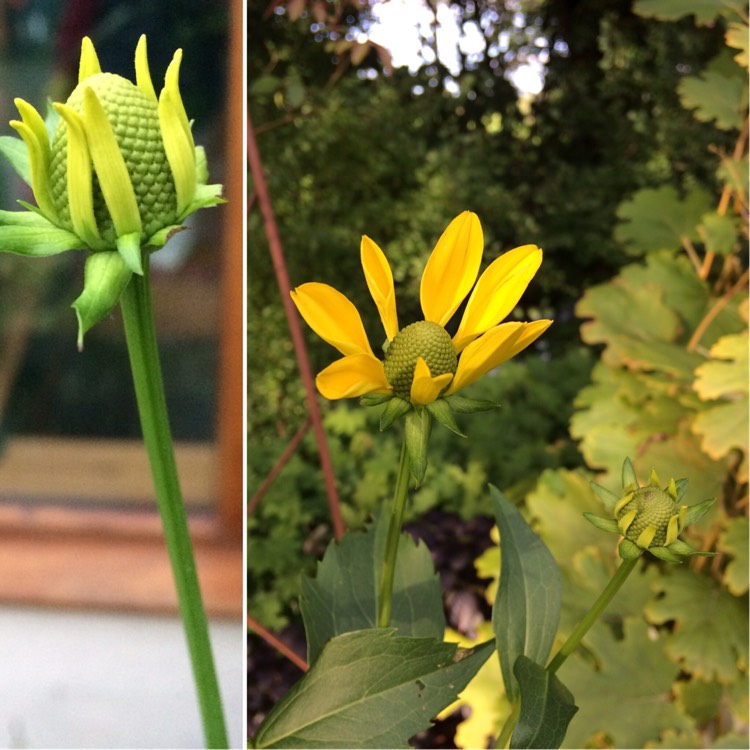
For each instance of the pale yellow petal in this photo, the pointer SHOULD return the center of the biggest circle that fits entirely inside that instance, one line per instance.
(178, 146)
(172, 86)
(142, 72)
(452, 268)
(425, 388)
(497, 292)
(80, 180)
(110, 167)
(89, 62)
(352, 376)
(493, 348)
(380, 283)
(333, 317)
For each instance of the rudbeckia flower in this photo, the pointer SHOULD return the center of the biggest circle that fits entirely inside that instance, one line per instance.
(114, 170)
(423, 362)
(424, 366)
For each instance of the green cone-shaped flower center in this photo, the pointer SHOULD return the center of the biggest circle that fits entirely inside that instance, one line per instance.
(423, 339)
(654, 507)
(134, 117)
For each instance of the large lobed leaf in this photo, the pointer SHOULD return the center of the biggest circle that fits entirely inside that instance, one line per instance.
(527, 607)
(371, 688)
(344, 595)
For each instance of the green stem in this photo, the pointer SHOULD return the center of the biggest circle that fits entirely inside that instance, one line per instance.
(385, 602)
(510, 724)
(620, 576)
(144, 363)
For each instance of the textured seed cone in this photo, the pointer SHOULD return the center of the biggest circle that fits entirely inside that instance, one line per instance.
(654, 507)
(134, 117)
(422, 339)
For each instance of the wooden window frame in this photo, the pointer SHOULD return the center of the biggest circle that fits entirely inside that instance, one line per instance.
(116, 559)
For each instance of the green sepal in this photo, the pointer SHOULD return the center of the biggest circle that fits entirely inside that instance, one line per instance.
(605, 524)
(417, 434)
(159, 239)
(681, 485)
(463, 405)
(129, 247)
(629, 477)
(443, 413)
(374, 399)
(105, 277)
(15, 151)
(36, 241)
(629, 550)
(608, 499)
(397, 407)
(696, 512)
(683, 548)
(664, 554)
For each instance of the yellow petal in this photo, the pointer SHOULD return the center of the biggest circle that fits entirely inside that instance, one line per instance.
(34, 134)
(333, 317)
(497, 292)
(493, 348)
(142, 73)
(172, 85)
(646, 536)
(352, 376)
(624, 523)
(109, 165)
(89, 62)
(179, 149)
(80, 182)
(380, 283)
(673, 529)
(452, 268)
(424, 388)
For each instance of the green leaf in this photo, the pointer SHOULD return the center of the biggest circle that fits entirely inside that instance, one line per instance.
(395, 409)
(705, 11)
(710, 634)
(658, 219)
(622, 682)
(527, 607)
(105, 279)
(441, 410)
(464, 405)
(343, 596)
(734, 541)
(371, 688)
(719, 233)
(15, 151)
(719, 94)
(547, 707)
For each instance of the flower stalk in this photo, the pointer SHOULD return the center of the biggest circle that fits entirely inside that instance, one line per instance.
(571, 644)
(144, 362)
(385, 601)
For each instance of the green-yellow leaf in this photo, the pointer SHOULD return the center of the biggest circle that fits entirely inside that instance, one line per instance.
(734, 541)
(719, 233)
(710, 634)
(727, 377)
(723, 427)
(705, 11)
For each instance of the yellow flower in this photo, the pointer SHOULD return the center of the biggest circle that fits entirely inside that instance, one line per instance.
(422, 361)
(114, 170)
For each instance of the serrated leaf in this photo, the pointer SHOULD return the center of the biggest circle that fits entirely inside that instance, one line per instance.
(547, 707)
(734, 541)
(624, 691)
(723, 428)
(705, 11)
(527, 607)
(737, 38)
(718, 233)
(344, 595)
(719, 93)
(715, 379)
(659, 219)
(710, 636)
(371, 688)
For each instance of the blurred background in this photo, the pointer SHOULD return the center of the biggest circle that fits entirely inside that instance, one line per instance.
(86, 599)
(614, 136)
